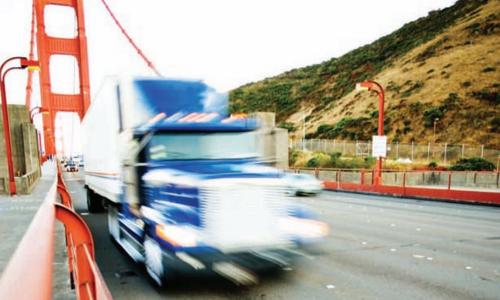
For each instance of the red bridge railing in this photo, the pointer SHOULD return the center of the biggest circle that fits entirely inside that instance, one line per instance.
(32, 261)
(445, 185)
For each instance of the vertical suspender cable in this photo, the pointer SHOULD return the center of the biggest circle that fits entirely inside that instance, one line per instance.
(148, 62)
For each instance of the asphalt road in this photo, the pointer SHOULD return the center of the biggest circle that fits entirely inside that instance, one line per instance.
(379, 248)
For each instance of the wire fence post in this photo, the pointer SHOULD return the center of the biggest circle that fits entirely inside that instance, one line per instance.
(412, 150)
(442, 153)
(428, 152)
(397, 150)
(449, 181)
(445, 150)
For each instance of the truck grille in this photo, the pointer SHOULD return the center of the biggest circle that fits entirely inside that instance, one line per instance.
(236, 214)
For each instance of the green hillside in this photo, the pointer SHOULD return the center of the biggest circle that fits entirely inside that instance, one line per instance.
(323, 87)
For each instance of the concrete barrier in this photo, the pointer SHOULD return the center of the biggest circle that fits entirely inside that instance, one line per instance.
(437, 179)
(25, 153)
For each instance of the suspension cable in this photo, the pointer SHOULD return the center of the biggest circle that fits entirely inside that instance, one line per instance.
(130, 40)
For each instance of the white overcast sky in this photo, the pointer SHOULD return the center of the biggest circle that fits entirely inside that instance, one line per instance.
(227, 43)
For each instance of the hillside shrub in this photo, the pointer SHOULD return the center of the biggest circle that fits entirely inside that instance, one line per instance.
(473, 164)
(492, 97)
(450, 102)
(431, 114)
(318, 160)
(293, 155)
(488, 69)
(465, 84)
(495, 124)
(336, 161)
(416, 107)
(288, 126)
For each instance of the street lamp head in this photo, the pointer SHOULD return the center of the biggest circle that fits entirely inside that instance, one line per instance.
(32, 65)
(360, 86)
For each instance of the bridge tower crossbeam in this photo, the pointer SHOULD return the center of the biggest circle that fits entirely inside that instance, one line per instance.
(47, 46)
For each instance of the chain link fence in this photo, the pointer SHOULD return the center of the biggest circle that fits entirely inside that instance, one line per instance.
(439, 153)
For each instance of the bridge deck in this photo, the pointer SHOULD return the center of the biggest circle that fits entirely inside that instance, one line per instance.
(380, 247)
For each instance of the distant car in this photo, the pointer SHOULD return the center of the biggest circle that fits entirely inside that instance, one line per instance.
(71, 166)
(303, 184)
(81, 164)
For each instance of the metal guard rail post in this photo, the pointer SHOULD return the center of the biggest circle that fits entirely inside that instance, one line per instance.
(34, 268)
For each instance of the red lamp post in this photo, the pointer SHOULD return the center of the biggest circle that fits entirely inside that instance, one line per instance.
(371, 85)
(24, 63)
(41, 110)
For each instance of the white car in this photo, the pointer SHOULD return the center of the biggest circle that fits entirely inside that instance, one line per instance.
(303, 184)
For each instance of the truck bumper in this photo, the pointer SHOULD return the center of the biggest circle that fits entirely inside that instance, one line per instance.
(187, 263)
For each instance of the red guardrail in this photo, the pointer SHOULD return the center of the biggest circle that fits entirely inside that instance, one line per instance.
(445, 192)
(33, 268)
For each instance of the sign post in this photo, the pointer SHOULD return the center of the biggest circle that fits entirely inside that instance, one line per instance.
(380, 149)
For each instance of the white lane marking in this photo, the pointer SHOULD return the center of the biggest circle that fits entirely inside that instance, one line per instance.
(363, 243)
(84, 213)
(393, 249)
(330, 286)
(429, 258)
(468, 268)
(393, 225)
(418, 229)
(418, 256)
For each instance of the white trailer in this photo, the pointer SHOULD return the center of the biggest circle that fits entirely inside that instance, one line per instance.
(100, 129)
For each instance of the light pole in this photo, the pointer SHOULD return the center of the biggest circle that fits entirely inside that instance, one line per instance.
(434, 132)
(24, 63)
(41, 110)
(370, 85)
(303, 131)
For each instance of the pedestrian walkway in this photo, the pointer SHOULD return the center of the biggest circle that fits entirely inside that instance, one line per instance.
(16, 214)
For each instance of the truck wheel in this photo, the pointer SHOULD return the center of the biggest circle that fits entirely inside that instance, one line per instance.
(94, 202)
(113, 225)
(153, 260)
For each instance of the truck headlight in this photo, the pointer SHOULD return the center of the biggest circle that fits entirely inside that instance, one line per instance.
(177, 235)
(304, 227)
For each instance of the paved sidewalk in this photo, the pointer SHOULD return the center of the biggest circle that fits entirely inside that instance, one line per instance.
(16, 214)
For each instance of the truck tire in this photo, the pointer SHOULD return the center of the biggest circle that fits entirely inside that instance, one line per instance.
(153, 260)
(94, 202)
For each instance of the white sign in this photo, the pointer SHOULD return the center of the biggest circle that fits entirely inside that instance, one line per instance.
(379, 146)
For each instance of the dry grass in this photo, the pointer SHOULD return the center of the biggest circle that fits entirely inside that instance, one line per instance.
(460, 58)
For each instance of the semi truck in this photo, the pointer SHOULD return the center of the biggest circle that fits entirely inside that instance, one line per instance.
(183, 185)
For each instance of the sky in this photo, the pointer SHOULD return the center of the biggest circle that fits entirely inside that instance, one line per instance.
(226, 43)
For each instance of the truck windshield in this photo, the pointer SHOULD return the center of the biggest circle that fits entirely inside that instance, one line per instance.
(170, 146)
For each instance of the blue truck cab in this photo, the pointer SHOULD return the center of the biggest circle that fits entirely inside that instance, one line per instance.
(193, 194)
